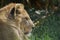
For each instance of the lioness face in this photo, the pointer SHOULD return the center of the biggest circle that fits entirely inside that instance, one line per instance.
(26, 24)
(23, 18)
(15, 22)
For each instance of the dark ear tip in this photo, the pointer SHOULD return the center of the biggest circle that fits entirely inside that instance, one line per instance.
(12, 11)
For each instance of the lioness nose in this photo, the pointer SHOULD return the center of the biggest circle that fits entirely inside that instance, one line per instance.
(31, 23)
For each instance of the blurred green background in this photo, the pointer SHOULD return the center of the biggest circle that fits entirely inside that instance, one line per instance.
(45, 15)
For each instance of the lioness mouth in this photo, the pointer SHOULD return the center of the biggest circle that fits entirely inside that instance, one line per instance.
(26, 33)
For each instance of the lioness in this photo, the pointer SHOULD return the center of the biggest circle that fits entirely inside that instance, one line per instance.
(15, 22)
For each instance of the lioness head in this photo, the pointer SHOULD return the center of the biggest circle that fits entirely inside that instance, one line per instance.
(21, 17)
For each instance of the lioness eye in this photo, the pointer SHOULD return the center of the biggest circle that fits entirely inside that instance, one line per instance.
(26, 18)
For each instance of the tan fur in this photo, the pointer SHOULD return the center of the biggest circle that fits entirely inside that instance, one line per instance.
(16, 28)
(5, 10)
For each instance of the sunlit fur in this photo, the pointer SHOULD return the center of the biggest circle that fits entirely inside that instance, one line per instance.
(19, 23)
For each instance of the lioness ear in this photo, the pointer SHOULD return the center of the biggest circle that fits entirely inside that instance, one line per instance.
(11, 14)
